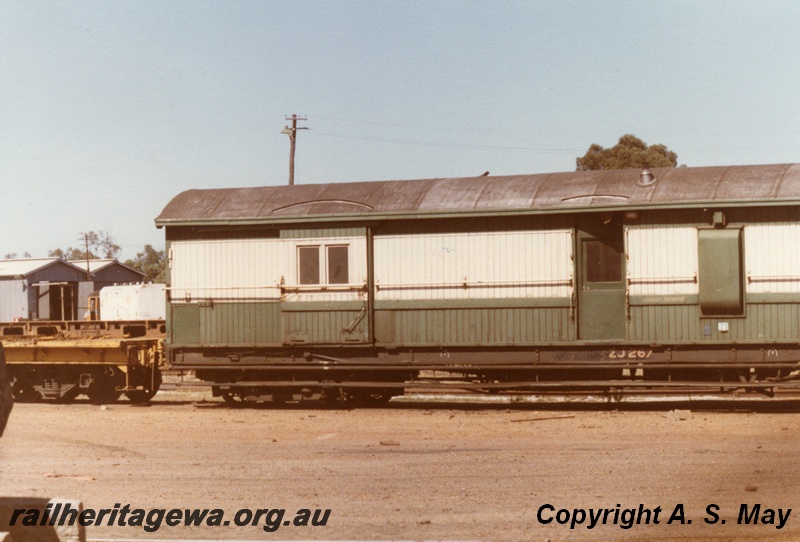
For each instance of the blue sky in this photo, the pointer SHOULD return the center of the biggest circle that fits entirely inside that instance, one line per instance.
(109, 109)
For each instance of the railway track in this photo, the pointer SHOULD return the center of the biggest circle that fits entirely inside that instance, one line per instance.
(426, 397)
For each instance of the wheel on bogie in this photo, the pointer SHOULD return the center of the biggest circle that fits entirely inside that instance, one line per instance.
(23, 391)
(371, 397)
(103, 389)
(70, 395)
(240, 398)
(149, 391)
(280, 398)
(139, 397)
(336, 397)
(232, 399)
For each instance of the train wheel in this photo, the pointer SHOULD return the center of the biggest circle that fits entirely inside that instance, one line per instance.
(233, 399)
(144, 395)
(336, 397)
(23, 391)
(69, 395)
(140, 396)
(103, 388)
(373, 397)
(614, 395)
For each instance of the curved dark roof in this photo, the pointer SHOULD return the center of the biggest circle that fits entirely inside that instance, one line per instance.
(550, 192)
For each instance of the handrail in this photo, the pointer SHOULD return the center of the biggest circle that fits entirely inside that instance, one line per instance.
(179, 288)
(475, 283)
(312, 287)
(652, 280)
(294, 288)
(399, 286)
(773, 278)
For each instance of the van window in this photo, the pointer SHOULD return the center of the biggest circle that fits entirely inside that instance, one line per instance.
(313, 261)
(338, 270)
(603, 262)
(308, 264)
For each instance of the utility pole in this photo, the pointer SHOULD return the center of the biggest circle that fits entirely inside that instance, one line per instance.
(292, 133)
(88, 272)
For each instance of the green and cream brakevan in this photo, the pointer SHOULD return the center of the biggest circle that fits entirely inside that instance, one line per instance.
(684, 278)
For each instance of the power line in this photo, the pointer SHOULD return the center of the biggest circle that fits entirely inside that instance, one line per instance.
(406, 141)
(442, 144)
(380, 123)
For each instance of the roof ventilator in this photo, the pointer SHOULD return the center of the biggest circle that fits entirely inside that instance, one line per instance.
(646, 178)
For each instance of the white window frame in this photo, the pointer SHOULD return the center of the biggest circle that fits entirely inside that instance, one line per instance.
(324, 270)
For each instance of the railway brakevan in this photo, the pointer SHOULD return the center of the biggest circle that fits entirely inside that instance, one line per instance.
(683, 278)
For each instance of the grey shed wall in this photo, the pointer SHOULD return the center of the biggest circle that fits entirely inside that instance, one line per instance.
(14, 299)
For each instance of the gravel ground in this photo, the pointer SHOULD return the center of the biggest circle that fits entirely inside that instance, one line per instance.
(417, 470)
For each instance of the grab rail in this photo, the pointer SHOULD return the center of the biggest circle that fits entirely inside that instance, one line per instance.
(653, 280)
(773, 278)
(475, 283)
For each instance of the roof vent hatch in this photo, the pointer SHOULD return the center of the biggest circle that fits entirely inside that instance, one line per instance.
(646, 178)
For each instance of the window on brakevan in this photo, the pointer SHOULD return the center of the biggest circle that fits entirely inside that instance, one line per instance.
(603, 262)
(334, 260)
(338, 269)
(308, 264)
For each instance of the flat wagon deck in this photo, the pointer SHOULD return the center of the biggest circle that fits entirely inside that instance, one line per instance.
(101, 359)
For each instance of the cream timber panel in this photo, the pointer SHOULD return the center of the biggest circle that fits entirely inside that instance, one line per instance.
(258, 270)
(499, 265)
(235, 269)
(772, 257)
(662, 260)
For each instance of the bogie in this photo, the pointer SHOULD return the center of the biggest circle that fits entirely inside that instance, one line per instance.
(100, 384)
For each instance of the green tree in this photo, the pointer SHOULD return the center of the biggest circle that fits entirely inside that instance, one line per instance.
(151, 262)
(630, 152)
(100, 244)
(13, 255)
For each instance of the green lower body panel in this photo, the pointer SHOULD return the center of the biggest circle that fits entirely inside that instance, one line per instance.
(682, 323)
(226, 323)
(514, 326)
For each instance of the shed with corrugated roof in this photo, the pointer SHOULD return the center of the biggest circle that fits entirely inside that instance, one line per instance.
(103, 272)
(39, 289)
